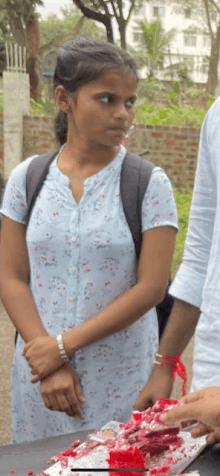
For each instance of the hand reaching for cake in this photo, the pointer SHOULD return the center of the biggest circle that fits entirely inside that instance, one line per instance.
(159, 385)
(204, 406)
(61, 391)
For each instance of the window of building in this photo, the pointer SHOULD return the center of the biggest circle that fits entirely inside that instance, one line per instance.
(140, 11)
(207, 41)
(205, 65)
(159, 9)
(188, 12)
(189, 62)
(190, 40)
(137, 36)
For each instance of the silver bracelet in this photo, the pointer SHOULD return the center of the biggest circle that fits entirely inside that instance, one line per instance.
(63, 354)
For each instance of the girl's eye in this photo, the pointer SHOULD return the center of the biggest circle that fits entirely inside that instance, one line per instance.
(107, 99)
(131, 101)
(110, 99)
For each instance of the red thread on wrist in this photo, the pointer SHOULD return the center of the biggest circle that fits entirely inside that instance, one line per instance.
(178, 369)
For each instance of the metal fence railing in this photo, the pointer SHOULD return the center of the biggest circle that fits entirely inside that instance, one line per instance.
(15, 58)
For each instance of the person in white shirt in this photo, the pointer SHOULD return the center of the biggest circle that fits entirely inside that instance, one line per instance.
(197, 284)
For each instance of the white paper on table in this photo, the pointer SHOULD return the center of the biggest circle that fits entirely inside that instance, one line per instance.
(192, 448)
(182, 457)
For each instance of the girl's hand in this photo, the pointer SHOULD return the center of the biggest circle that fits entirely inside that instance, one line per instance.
(61, 391)
(43, 356)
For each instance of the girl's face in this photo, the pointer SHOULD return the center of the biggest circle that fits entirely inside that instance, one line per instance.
(102, 111)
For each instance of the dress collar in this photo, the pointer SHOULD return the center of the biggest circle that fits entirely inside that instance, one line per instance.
(94, 179)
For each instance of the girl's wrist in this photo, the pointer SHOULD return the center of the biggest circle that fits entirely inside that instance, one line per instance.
(63, 354)
(68, 343)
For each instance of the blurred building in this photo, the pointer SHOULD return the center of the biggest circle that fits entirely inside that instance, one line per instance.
(191, 44)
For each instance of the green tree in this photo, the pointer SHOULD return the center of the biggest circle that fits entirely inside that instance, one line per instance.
(18, 20)
(110, 9)
(97, 15)
(15, 15)
(152, 46)
(55, 31)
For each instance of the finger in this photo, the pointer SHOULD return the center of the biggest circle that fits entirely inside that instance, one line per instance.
(141, 406)
(74, 403)
(78, 390)
(54, 403)
(182, 413)
(71, 414)
(36, 379)
(188, 424)
(199, 430)
(64, 404)
(47, 402)
(51, 402)
(211, 439)
(192, 397)
(142, 403)
(26, 348)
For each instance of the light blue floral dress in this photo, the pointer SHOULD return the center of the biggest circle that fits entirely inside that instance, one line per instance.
(82, 257)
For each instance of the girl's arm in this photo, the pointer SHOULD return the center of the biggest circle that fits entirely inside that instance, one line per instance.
(153, 272)
(61, 390)
(14, 276)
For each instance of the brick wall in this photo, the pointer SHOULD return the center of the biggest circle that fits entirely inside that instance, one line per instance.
(170, 147)
(39, 135)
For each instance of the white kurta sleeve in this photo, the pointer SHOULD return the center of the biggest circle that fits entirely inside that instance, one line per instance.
(189, 281)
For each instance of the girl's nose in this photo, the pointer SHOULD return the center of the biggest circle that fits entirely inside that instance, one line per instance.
(121, 112)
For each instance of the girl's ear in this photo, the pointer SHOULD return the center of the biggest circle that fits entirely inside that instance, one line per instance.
(62, 98)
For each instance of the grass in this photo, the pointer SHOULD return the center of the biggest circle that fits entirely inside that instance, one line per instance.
(183, 202)
(190, 116)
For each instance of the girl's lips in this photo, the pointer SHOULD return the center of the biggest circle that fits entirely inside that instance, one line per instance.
(118, 130)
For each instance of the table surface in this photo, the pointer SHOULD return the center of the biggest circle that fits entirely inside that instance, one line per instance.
(33, 456)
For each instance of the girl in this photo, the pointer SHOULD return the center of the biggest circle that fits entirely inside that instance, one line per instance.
(85, 285)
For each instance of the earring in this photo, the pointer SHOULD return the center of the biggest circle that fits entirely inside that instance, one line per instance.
(67, 108)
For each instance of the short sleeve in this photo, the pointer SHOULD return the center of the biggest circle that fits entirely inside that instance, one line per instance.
(159, 207)
(14, 200)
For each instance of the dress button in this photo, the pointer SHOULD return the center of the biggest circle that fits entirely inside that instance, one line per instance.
(70, 299)
(73, 238)
(73, 269)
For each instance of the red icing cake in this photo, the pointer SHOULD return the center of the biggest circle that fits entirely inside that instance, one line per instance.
(140, 439)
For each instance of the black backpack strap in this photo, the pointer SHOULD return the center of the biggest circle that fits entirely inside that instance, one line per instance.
(135, 177)
(36, 174)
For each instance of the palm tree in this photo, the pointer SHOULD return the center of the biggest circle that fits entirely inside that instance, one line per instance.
(153, 45)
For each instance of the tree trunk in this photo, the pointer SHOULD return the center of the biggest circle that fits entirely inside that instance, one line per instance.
(123, 38)
(122, 31)
(32, 51)
(213, 64)
(100, 17)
